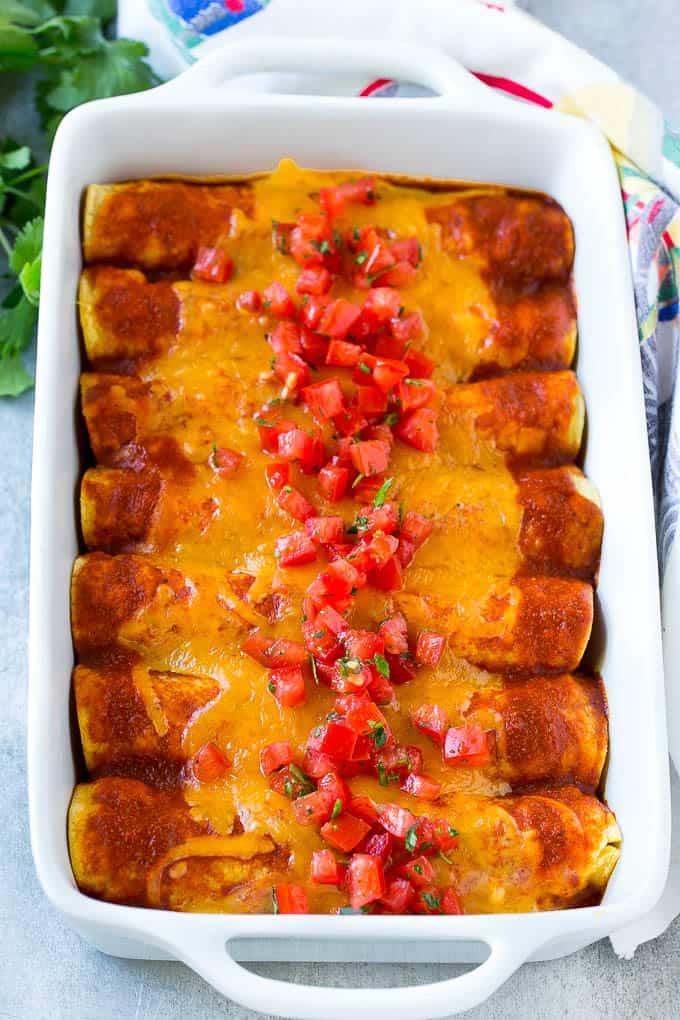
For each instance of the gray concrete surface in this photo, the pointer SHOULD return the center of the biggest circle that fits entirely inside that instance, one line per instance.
(46, 971)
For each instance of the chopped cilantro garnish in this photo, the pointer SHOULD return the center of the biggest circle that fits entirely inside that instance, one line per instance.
(356, 235)
(363, 367)
(382, 774)
(381, 494)
(356, 481)
(411, 841)
(271, 687)
(418, 869)
(377, 734)
(322, 246)
(314, 672)
(337, 808)
(452, 832)
(432, 901)
(288, 787)
(401, 515)
(275, 902)
(361, 258)
(263, 423)
(382, 665)
(318, 731)
(287, 488)
(415, 382)
(444, 857)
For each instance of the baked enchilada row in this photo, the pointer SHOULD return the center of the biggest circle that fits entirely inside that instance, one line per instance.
(340, 562)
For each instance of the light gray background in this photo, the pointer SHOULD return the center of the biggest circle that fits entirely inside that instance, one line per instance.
(46, 971)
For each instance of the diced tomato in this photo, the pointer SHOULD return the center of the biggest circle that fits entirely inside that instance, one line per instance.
(344, 832)
(394, 634)
(381, 549)
(363, 644)
(377, 844)
(451, 902)
(398, 896)
(281, 236)
(340, 578)
(378, 260)
(408, 249)
(249, 301)
(366, 879)
(444, 835)
(388, 577)
(311, 240)
(370, 457)
(381, 304)
(380, 689)
(419, 429)
(330, 619)
(420, 366)
(314, 280)
(273, 756)
(364, 716)
(320, 640)
(314, 808)
(317, 764)
(404, 329)
(295, 444)
(272, 652)
(343, 353)
(415, 393)
(314, 347)
(313, 310)
(370, 400)
(278, 301)
(295, 550)
(285, 338)
(395, 819)
(429, 648)
(432, 721)
(415, 530)
(332, 201)
(365, 808)
(324, 399)
(402, 667)
(325, 869)
(400, 275)
(338, 789)
(270, 428)
(386, 373)
(350, 423)
(277, 476)
(428, 900)
(361, 191)
(421, 786)
(293, 502)
(333, 482)
(418, 871)
(292, 371)
(350, 681)
(291, 899)
(227, 462)
(287, 685)
(213, 265)
(370, 519)
(338, 318)
(288, 784)
(367, 489)
(466, 745)
(325, 530)
(335, 739)
(209, 764)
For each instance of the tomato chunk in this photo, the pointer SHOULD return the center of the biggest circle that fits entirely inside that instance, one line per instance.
(270, 428)
(293, 502)
(333, 482)
(325, 869)
(432, 721)
(421, 786)
(343, 354)
(227, 461)
(344, 832)
(408, 249)
(451, 902)
(278, 301)
(466, 745)
(335, 739)
(281, 236)
(362, 191)
(274, 652)
(365, 808)
(324, 399)
(314, 280)
(399, 275)
(366, 879)
(419, 429)
(213, 265)
(338, 318)
(395, 819)
(388, 577)
(418, 871)
(415, 393)
(370, 400)
(313, 809)
(370, 457)
(429, 648)
(249, 301)
(209, 764)
(420, 366)
(287, 685)
(398, 896)
(290, 899)
(295, 550)
(273, 756)
(340, 578)
(286, 338)
(320, 639)
(381, 304)
(325, 530)
(394, 634)
(277, 476)
(404, 329)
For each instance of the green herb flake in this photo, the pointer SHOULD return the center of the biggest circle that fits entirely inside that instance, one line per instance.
(361, 258)
(271, 687)
(312, 661)
(358, 479)
(275, 902)
(382, 665)
(288, 787)
(444, 857)
(363, 367)
(415, 382)
(391, 418)
(452, 832)
(432, 901)
(287, 488)
(411, 840)
(381, 494)
(263, 423)
(337, 808)
(382, 774)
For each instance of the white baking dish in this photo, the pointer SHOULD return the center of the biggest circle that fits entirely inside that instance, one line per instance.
(193, 126)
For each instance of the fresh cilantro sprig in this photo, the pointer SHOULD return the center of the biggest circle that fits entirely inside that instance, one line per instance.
(63, 44)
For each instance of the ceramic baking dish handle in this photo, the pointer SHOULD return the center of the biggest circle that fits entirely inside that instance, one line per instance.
(418, 64)
(212, 960)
